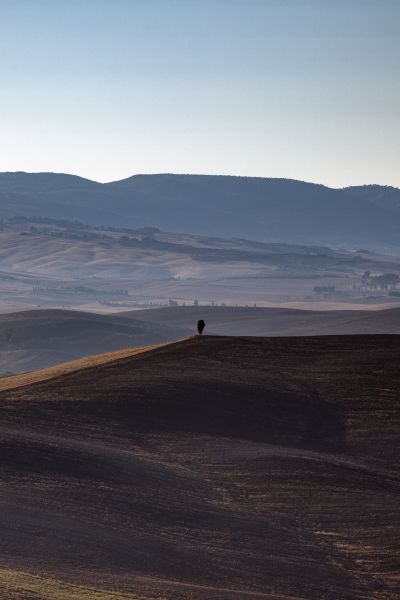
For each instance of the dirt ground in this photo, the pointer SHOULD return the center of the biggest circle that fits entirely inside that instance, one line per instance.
(215, 468)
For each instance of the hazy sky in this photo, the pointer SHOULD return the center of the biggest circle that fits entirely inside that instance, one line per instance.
(306, 89)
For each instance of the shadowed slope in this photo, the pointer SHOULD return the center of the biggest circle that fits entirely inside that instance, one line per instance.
(37, 339)
(212, 468)
(251, 321)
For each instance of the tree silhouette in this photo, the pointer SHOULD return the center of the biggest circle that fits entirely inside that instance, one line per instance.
(200, 326)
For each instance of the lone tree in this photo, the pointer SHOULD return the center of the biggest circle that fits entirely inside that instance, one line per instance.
(200, 326)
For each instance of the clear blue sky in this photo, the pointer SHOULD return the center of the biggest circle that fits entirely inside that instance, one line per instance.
(306, 89)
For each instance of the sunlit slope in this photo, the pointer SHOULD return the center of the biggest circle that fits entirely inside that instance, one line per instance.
(213, 468)
(16, 585)
(72, 366)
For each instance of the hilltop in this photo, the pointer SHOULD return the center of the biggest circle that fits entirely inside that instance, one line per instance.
(38, 339)
(208, 469)
(256, 208)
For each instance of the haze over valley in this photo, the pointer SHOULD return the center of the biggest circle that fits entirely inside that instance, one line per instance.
(67, 264)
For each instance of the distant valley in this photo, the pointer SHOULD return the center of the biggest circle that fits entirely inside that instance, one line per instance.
(48, 263)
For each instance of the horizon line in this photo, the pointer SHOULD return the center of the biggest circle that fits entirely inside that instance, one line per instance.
(166, 173)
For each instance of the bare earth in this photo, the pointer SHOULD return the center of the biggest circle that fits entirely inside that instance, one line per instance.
(216, 468)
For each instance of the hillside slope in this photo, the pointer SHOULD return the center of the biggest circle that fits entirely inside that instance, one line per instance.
(213, 468)
(40, 338)
(80, 364)
(251, 207)
(250, 321)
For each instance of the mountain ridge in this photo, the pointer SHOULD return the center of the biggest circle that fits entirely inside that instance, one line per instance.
(273, 209)
(75, 176)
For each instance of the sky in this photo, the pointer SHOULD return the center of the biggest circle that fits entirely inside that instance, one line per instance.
(303, 89)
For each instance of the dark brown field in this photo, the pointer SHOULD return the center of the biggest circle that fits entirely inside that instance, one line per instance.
(209, 469)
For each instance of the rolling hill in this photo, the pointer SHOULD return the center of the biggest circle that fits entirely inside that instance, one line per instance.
(253, 321)
(46, 263)
(249, 207)
(37, 339)
(208, 469)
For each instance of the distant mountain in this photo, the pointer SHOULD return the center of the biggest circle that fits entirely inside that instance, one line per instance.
(384, 197)
(250, 207)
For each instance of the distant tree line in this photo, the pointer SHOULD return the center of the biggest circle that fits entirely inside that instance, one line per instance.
(37, 288)
(383, 282)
